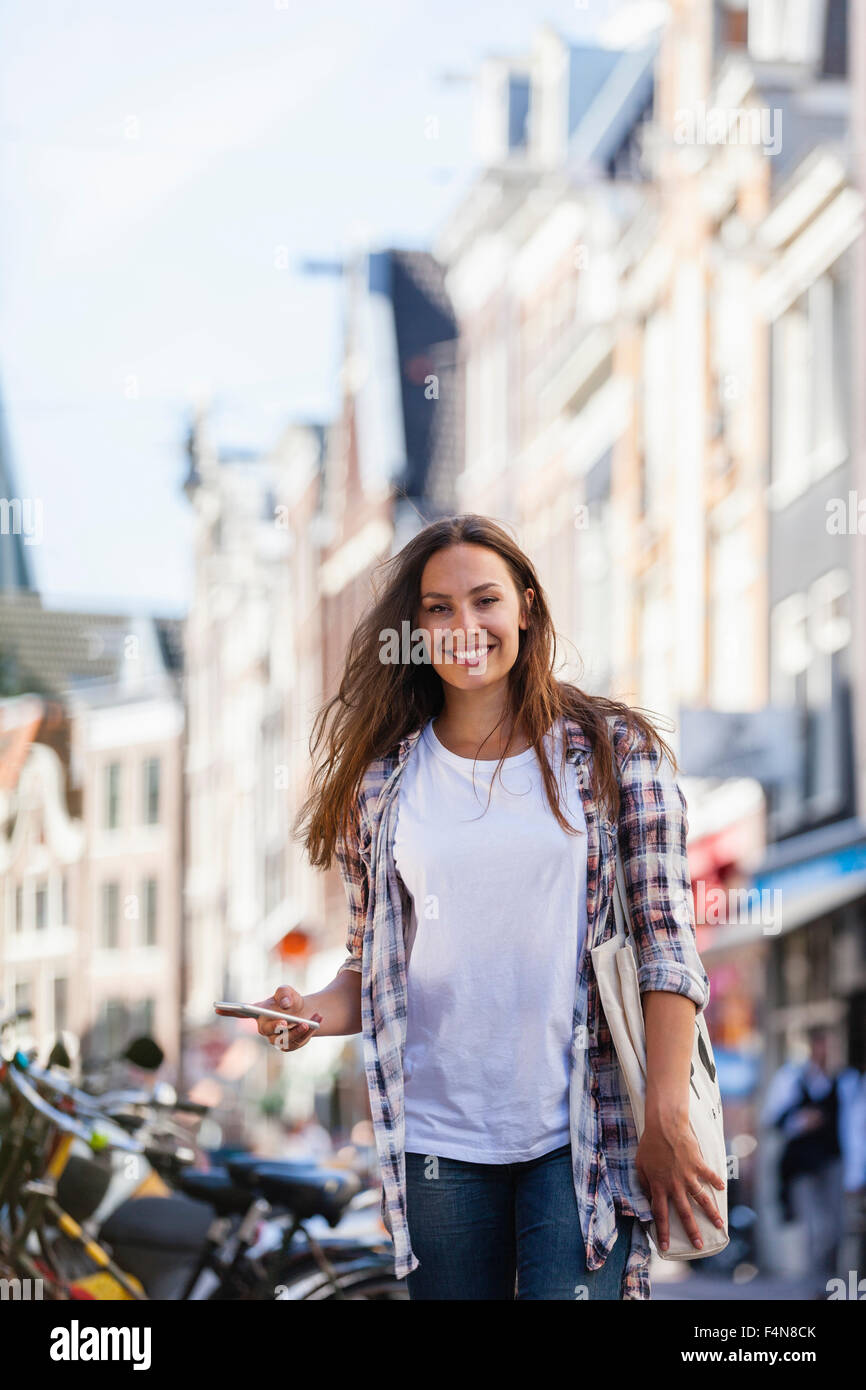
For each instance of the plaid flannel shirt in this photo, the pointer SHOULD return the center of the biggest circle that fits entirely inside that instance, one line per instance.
(651, 830)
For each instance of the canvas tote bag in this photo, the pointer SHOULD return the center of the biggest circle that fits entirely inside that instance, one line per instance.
(615, 965)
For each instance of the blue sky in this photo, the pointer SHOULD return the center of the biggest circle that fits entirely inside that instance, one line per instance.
(153, 161)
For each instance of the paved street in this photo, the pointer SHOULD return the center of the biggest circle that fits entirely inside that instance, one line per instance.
(710, 1288)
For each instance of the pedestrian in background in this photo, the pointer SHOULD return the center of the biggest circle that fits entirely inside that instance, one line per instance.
(814, 1105)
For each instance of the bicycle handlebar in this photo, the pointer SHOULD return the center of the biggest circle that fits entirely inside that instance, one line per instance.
(100, 1104)
(68, 1123)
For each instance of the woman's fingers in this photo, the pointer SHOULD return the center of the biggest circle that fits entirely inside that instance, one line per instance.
(687, 1216)
(286, 1033)
(680, 1196)
(291, 1036)
(284, 999)
(289, 1000)
(679, 1178)
(266, 1025)
(704, 1174)
(707, 1174)
(659, 1203)
(707, 1202)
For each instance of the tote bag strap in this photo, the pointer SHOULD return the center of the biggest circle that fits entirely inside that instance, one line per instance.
(620, 895)
(620, 901)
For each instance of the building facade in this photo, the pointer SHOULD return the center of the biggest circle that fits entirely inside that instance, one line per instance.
(93, 908)
(653, 275)
(42, 850)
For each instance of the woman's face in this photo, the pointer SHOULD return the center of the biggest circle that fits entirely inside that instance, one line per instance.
(469, 611)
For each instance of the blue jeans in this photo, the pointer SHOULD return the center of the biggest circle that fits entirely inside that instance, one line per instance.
(503, 1231)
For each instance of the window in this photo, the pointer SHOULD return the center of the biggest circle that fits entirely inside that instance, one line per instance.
(656, 662)
(111, 1028)
(830, 625)
(827, 442)
(519, 95)
(148, 911)
(112, 796)
(786, 31)
(656, 399)
(733, 359)
(486, 405)
(61, 1003)
(64, 900)
(810, 632)
(141, 1018)
(789, 647)
(808, 433)
(110, 915)
(829, 632)
(806, 629)
(732, 638)
(790, 406)
(150, 791)
(41, 905)
(22, 995)
(594, 588)
(733, 23)
(19, 906)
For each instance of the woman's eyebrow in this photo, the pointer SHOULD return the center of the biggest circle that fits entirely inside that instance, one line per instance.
(491, 584)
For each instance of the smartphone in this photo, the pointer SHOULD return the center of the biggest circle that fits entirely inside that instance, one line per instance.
(228, 1010)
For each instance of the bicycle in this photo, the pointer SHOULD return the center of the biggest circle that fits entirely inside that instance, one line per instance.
(241, 1233)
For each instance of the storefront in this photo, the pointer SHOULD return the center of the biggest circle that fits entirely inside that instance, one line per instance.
(800, 965)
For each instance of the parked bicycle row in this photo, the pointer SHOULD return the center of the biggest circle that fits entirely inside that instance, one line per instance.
(109, 1195)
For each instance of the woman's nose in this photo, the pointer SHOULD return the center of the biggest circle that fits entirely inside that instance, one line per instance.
(459, 624)
(466, 620)
(466, 635)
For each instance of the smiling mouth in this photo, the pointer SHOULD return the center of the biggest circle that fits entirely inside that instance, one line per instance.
(469, 658)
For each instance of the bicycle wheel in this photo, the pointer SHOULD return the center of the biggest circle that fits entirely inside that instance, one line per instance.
(362, 1280)
(376, 1289)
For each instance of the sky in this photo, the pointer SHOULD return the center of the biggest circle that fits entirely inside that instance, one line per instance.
(165, 169)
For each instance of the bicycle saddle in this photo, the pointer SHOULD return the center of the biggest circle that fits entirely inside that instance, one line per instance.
(242, 1170)
(318, 1192)
(217, 1189)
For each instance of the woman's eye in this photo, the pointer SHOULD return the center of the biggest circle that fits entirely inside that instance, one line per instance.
(489, 598)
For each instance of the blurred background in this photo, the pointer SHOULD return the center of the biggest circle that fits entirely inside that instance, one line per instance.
(278, 289)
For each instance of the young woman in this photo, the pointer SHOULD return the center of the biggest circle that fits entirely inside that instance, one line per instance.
(474, 803)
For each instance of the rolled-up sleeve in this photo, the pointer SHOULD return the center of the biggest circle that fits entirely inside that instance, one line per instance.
(353, 856)
(652, 830)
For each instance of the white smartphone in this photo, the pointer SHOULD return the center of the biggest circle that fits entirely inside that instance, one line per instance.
(229, 1010)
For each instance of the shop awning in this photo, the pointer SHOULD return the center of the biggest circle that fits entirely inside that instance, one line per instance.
(825, 897)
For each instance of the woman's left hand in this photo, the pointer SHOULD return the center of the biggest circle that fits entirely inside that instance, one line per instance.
(671, 1168)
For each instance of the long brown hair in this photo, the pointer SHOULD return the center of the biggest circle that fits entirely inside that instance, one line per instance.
(379, 703)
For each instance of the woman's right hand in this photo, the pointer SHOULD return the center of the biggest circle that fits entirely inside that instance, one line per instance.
(288, 1037)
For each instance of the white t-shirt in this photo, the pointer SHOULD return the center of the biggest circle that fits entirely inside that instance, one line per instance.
(498, 922)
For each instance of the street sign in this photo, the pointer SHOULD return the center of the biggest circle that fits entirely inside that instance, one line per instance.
(766, 744)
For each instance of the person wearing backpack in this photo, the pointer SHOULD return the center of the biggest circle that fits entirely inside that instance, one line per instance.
(804, 1103)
